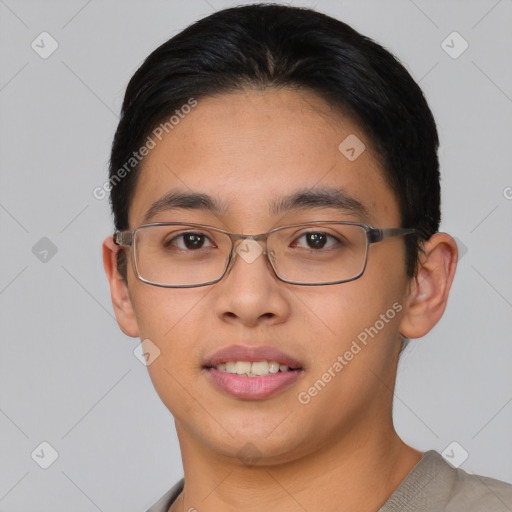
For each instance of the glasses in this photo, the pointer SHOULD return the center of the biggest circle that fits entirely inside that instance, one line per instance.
(177, 255)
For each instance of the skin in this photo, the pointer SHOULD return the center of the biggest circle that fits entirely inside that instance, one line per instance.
(339, 452)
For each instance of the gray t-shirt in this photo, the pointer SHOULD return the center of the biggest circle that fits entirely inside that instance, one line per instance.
(432, 485)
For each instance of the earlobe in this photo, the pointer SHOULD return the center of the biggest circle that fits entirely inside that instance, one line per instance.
(121, 301)
(430, 287)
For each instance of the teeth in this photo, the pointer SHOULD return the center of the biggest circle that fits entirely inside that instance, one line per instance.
(242, 367)
(273, 367)
(259, 368)
(256, 369)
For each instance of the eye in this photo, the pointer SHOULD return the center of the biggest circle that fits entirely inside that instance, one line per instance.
(189, 241)
(315, 240)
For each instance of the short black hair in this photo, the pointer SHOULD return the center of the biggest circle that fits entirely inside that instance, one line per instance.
(267, 45)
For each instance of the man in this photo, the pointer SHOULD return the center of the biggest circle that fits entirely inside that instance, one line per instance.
(275, 188)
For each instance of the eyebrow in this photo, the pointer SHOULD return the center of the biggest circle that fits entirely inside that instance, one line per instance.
(304, 199)
(326, 197)
(186, 201)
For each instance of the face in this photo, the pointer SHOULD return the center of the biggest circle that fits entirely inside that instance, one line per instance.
(247, 151)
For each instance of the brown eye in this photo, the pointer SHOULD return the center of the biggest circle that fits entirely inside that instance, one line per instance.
(315, 240)
(189, 241)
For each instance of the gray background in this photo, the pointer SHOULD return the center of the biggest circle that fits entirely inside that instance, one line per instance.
(68, 376)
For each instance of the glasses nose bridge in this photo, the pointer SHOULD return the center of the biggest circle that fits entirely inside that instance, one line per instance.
(238, 239)
(237, 242)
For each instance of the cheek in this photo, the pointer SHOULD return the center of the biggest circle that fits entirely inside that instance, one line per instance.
(353, 335)
(353, 353)
(175, 322)
(365, 312)
(162, 312)
(338, 312)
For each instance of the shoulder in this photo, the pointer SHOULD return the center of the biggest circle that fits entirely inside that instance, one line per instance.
(434, 485)
(474, 493)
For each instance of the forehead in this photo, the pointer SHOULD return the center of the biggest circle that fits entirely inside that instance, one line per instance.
(250, 149)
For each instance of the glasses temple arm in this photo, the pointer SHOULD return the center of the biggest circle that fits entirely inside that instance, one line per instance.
(378, 234)
(124, 238)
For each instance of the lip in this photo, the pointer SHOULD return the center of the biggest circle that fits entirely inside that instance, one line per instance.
(251, 354)
(252, 388)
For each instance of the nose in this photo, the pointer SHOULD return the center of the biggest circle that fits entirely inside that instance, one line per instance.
(250, 293)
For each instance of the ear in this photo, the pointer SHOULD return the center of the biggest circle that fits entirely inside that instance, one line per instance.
(123, 308)
(430, 287)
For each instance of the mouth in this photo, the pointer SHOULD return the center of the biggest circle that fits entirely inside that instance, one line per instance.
(252, 373)
(253, 369)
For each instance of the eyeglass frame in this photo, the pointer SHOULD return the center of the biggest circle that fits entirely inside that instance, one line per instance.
(126, 238)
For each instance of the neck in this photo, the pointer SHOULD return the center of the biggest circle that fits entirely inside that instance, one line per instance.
(358, 472)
